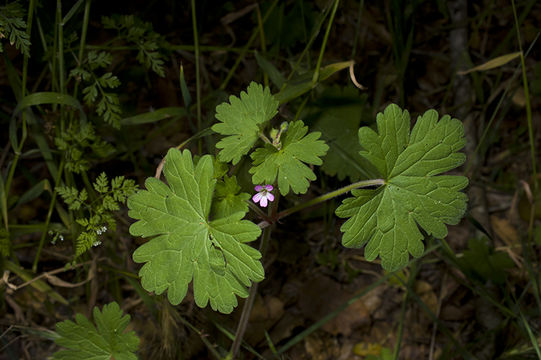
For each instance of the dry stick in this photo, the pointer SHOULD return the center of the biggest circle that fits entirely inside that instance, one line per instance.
(47, 275)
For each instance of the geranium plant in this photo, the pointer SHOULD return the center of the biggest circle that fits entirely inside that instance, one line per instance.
(189, 242)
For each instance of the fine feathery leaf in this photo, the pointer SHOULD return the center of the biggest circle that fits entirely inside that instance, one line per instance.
(242, 120)
(13, 27)
(104, 342)
(288, 163)
(386, 219)
(186, 244)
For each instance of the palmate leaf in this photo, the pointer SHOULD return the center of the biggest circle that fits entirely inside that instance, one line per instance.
(187, 245)
(109, 341)
(288, 163)
(241, 120)
(386, 219)
(228, 199)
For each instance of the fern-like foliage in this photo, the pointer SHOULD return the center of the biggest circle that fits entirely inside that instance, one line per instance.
(97, 87)
(135, 31)
(79, 145)
(13, 27)
(99, 212)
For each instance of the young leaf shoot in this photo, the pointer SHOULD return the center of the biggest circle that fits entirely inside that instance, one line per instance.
(241, 121)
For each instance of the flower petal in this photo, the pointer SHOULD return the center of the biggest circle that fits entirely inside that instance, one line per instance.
(263, 202)
(258, 188)
(270, 197)
(257, 197)
(268, 187)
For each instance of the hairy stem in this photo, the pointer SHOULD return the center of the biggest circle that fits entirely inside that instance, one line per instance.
(330, 195)
(315, 78)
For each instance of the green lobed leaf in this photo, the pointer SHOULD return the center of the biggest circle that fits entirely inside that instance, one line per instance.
(241, 121)
(187, 245)
(228, 199)
(288, 164)
(387, 219)
(108, 340)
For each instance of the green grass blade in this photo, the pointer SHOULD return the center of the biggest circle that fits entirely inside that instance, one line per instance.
(154, 116)
(274, 74)
(303, 83)
(34, 192)
(530, 335)
(72, 11)
(48, 97)
(184, 89)
(3, 202)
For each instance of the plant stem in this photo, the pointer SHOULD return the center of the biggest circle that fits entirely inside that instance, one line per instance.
(246, 47)
(49, 215)
(263, 42)
(315, 78)
(60, 55)
(527, 97)
(197, 75)
(330, 195)
(529, 252)
(19, 149)
(201, 335)
(82, 43)
(249, 303)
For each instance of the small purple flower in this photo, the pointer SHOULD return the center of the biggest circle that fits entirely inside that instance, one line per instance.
(263, 195)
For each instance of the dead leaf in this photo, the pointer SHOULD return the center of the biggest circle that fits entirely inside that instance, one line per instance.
(505, 230)
(427, 294)
(365, 349)
(491, 64)
(322, 295)
(519, 98)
